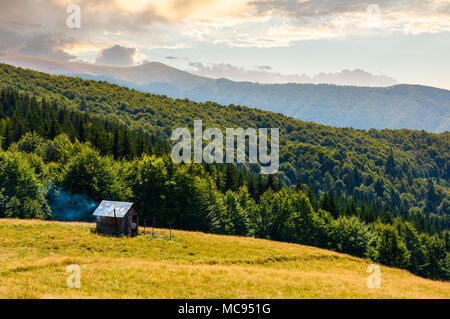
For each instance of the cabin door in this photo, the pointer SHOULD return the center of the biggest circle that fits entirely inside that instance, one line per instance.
(134, 230)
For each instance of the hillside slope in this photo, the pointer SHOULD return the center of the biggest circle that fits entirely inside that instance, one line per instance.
(394, 107)
(35, 255)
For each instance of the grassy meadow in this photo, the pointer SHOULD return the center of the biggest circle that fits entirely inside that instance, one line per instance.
(34, 256)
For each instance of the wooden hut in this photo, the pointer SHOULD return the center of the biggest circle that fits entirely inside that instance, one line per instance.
(117, 218)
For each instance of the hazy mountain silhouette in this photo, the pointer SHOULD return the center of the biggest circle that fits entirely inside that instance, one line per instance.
(265, 74)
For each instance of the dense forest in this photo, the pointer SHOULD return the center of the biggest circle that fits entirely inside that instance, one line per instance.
(405, 170)
(382, 195)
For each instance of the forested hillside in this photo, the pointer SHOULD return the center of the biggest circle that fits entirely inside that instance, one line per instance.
(405, 169)
(378, 194)
(398, 106)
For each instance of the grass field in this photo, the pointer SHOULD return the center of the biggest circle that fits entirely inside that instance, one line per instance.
(34, 256)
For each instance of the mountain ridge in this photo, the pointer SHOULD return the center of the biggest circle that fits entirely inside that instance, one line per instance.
(393, 107)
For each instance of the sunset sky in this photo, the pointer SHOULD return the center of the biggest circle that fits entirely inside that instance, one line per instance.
(408, 40)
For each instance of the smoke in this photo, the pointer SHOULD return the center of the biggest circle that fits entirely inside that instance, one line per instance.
(70, 207)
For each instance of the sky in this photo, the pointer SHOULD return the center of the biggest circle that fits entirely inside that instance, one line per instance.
(407, 41)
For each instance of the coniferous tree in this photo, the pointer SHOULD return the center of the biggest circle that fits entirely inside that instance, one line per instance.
(125, 145)
(231, 182)
(312, 198)
(116, 147)
(391, 249)
(390, 166)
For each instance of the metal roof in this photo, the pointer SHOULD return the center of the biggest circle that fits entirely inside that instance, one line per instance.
(106, 209)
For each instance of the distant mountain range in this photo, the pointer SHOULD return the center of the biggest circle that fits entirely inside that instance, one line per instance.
(398, 106)
(265, 74)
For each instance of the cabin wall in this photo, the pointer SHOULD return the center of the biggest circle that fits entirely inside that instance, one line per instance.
(106, 225)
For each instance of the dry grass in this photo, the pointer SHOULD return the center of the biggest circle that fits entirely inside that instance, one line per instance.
(34, 256)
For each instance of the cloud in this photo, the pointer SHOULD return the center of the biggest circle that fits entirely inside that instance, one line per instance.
(117, 55)
(28, 28)
(263, 67)
(24, 23)
(278, 23)
(43, 46)
(263, 74)
(354, 77)
(153, 24)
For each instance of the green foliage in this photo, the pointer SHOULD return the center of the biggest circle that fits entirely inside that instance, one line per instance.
(88, 173)
(230, 214)
(30, 143)
(390, 248)
(437, 253)
(352, 236)
(149, 182)
(415, 245)
(27, 118)
(21, 193)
